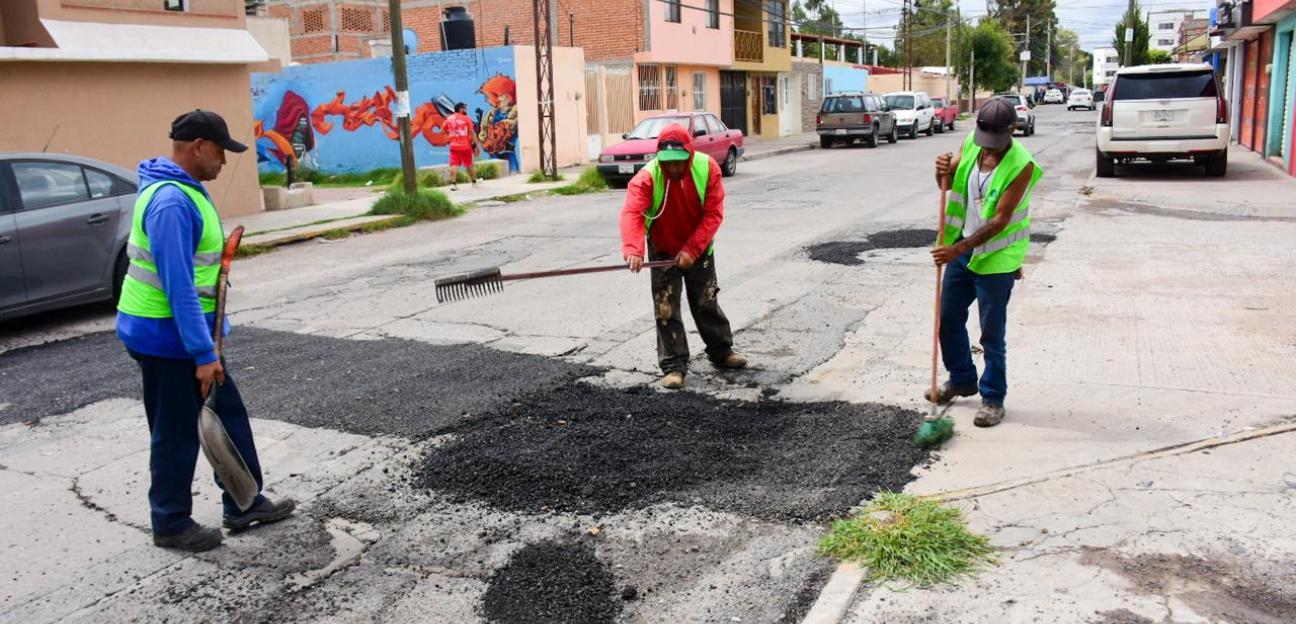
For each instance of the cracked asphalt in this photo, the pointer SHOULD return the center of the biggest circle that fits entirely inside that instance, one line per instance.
(447, 457)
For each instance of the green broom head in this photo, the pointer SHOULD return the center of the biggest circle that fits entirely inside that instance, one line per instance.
(934, 433)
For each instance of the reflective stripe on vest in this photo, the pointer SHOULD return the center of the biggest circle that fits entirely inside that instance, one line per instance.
(699, 166)
(1006, 251)
(143, 293)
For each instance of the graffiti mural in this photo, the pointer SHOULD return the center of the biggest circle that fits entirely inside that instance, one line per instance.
(337, 117)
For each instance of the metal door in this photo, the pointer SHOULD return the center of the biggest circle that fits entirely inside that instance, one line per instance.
(733, 100)
(67, 228)
(12, 292)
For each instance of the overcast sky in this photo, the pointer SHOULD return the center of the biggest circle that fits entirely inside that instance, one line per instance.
(1094, 20)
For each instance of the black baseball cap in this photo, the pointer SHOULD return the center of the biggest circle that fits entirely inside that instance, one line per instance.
(201, 124)
(995, 124)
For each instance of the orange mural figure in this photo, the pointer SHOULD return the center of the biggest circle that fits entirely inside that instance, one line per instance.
(498, 130)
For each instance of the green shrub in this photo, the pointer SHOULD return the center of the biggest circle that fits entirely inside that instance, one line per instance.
(380, 176)
(590, 181)
(422, 204)
(539, 176)
(277, 178)
(488, 171)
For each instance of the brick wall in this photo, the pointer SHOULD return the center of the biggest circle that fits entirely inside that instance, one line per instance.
(811, 75)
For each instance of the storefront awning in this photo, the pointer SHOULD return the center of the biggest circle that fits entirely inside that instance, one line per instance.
(140, 43)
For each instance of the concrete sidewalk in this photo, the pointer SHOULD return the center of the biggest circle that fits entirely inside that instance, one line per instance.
(759, 148)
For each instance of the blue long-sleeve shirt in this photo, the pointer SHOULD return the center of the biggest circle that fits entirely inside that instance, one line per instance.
(174, 227)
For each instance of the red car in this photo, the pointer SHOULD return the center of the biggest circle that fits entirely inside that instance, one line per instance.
(946, 113)
(618, 163)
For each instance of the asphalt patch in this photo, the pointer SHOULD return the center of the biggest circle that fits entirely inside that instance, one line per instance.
(553, 582)
(848, 252)
(593, 450)
(372, 387)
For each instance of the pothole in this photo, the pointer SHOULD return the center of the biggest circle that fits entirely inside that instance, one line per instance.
(848, 252)
(586, 449)
(553, 582)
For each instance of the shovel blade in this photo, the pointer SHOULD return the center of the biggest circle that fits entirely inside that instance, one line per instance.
(225, 459)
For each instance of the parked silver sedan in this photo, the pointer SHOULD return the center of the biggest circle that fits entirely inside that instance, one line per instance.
(64, 221)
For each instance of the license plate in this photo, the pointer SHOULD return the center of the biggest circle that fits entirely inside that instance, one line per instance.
(841, 131)
(1163, 115)
(625, 169)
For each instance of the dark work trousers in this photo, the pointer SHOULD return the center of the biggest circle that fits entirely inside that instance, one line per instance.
(991, 293)
(172, 400)
(699, 282)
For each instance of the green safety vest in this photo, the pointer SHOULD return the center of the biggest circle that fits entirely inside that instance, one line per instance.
(700, 166)
(142, 293)
(1007, 250)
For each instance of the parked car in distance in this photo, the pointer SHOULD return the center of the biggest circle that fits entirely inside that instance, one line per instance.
(850, 117)
(1161, 113)
(618, 163)
(1080, 98)
(913, 111)
(64, 221)
(1025, 116)
(1054, 96)
(945, 114)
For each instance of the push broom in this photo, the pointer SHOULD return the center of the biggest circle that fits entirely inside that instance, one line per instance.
(936, 429)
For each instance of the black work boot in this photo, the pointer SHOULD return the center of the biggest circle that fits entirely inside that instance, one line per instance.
(197, 538)
(265, 512)
(946, 393)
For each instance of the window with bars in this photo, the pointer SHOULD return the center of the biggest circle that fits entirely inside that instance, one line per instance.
(672, 89)
(713, 13)
(357, 20)
(777, 30)
(699, 91)
(649, 87)
(673, 11)
(312, 21)
(386, 20)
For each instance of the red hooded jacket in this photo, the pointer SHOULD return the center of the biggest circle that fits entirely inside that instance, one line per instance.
(685, 222)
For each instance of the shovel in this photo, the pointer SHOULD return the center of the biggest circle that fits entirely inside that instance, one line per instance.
(216, 444)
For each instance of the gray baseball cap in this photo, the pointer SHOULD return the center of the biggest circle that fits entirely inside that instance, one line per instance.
(995, 124)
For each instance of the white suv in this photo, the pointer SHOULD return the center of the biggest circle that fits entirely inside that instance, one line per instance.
(1164, 112)
(913, 112)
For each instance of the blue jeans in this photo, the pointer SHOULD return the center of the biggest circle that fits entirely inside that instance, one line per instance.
(991, 293)
(172, 402)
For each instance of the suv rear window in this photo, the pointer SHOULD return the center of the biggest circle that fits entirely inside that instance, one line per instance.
(1165, 86)
(853, 104)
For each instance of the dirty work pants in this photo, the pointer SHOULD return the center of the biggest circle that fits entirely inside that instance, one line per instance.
(991, 292)
(171, 402)
(700, 284)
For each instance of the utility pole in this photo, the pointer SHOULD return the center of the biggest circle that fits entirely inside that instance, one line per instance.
(908, 33)
(1021, 85)
(1048, 53)
(409, 178)
(543, 22)
(972, 81)
(1130, 17)
(949, 67)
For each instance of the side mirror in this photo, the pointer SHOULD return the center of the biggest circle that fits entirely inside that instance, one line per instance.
(699, 132)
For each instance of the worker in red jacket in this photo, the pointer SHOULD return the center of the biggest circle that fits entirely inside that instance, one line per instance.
(676, 204)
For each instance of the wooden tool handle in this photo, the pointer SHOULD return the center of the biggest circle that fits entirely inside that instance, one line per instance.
(579, 271)
(940, 238)
(222, 283)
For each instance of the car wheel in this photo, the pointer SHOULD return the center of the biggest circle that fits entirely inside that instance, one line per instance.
(1106, 166)
(825, 142)
(951, 126)
(1217, 165)
(119, 274)
(913, 130)
(730, 163)
(895, 134)
(930, 128)
(872, 139)
(940, 127)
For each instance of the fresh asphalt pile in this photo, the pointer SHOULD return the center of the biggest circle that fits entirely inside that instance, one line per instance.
(592, 450)
(554, 581)
(849, 252)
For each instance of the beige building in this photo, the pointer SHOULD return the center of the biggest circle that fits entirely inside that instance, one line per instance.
(104, 79)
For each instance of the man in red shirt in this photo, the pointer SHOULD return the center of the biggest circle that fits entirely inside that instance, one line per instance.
(463, 143)
(676, 202)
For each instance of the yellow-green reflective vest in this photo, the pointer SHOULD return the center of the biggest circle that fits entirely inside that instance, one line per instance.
(142, 293)
(700, 167)
(1005, 252)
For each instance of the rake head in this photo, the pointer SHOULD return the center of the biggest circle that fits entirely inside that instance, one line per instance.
(468, 285)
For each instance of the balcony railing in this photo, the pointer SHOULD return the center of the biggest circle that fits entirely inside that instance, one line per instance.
(749, 46)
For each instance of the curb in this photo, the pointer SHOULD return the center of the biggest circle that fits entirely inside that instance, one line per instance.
(837, 595)
(317, 232)
(779, 152)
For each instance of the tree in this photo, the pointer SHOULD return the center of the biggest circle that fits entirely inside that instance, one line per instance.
(1040, 16)
(1134, 16)
(996, 58)
(927, 24)
(1159, 57)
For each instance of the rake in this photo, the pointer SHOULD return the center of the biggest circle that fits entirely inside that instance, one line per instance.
(488, 281)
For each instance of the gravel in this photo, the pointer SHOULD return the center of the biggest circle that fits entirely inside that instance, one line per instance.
(553, 582)
(849, 252)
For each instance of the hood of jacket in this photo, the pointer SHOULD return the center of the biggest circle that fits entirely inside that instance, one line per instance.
(162, 169)
(679, 134)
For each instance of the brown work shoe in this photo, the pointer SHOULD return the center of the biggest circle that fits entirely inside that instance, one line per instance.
(673, 380)
(989, 415)
(733, 361)
(946, 393)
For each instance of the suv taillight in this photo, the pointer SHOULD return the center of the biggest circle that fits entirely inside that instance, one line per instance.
(1022, 108)
(818, 120)
(868, 119)
(1109, 102)
(1221, 110)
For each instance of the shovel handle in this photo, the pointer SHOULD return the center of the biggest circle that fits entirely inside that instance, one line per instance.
(222, 283)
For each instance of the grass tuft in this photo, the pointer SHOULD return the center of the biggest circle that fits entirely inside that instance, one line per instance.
(900, 536)
(590, 181)
(538, 176)
(423, 204)
(251, 250)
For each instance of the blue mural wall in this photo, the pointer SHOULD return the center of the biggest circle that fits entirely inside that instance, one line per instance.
(339, 117)
(841, 78)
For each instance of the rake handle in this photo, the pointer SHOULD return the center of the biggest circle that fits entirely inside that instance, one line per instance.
(579, 271)
(940, 237)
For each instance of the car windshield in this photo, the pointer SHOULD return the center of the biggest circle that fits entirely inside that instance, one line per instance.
(938, 102)
(844, 105)
(903, 102)
(650, 128)
(1165, 86)
(1015, 100)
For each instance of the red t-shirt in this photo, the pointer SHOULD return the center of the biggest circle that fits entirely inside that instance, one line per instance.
(460, 129)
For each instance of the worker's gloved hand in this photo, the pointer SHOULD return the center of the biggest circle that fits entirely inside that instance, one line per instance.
(683, 260)
(943, 172)
(635, 263)
(207, 373)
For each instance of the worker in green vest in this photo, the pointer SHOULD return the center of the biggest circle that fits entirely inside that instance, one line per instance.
(165, 318)
(676, 204)
(987, 231)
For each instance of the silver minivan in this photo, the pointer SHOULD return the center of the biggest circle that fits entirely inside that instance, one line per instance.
(64, 221)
